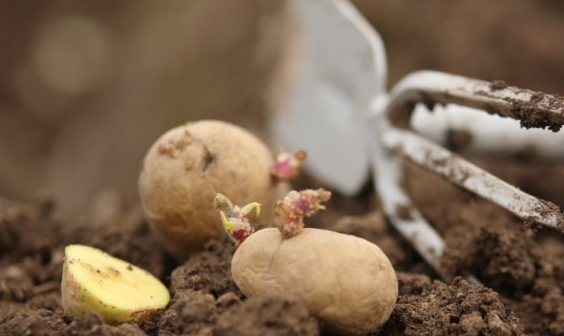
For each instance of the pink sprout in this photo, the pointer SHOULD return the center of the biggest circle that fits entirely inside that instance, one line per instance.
(290, 212)
(287, 166)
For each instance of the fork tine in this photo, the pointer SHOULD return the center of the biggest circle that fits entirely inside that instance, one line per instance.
(399, 210)
(434, 87)
(533, 109)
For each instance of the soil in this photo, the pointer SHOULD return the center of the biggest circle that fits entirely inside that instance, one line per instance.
(522, 272)
(531, 116)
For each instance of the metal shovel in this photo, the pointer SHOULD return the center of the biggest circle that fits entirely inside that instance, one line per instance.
(338, 110)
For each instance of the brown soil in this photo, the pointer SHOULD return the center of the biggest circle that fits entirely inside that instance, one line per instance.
(522, 271)
(456, 309)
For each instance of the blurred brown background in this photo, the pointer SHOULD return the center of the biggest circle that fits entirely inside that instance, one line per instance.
(87, 86)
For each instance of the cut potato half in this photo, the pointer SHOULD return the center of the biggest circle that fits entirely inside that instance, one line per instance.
(95, 282)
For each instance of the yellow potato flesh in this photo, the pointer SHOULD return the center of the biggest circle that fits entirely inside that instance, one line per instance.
(344, 280)
(95, 282)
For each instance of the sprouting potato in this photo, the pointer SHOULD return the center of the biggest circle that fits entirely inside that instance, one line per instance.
(95, 282)
(189, 164)
(344, 280)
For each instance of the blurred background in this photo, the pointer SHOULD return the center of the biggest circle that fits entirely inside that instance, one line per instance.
(87, 86)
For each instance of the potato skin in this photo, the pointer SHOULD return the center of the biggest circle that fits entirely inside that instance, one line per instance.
(187, 166)
(344, 280)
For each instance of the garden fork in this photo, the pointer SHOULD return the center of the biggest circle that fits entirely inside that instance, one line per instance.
(338, 110)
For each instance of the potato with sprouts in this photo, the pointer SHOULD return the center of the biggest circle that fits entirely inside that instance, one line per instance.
(189, 164)
(344, 280)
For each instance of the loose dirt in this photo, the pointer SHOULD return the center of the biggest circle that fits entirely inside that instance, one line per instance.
(522, 272)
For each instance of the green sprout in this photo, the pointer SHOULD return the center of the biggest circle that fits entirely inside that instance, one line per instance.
(234, 218)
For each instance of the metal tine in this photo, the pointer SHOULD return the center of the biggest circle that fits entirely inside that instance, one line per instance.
(435, 87)
(532, 109)
(396, 204)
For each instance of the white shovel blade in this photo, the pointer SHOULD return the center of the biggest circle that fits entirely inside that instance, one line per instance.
(340, 67)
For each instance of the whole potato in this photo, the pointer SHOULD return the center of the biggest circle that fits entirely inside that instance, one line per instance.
(187, 166)
(344, 280)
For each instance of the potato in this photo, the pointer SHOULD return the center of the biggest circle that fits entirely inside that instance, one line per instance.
(95, 282)
(346, 281)
(187, 166)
